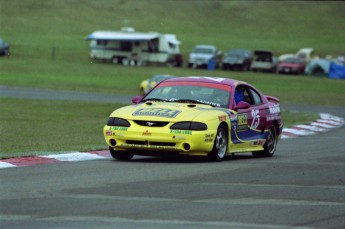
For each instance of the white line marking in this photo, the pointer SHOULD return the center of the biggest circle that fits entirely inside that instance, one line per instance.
(154, 223)
(75, 156)
(6, 165)
(298, 132)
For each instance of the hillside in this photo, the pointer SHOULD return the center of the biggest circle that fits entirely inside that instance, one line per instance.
(33, 27)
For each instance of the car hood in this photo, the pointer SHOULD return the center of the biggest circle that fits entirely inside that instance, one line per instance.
(166, 111)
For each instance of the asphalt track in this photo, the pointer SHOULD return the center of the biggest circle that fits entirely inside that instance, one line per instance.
(302, 186)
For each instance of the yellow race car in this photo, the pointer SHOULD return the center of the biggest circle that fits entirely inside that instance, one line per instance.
(148, 84)
(197, 116)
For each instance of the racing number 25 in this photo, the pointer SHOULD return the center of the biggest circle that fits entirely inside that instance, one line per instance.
(256, 119)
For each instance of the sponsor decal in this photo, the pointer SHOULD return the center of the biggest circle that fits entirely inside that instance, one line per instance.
(160, 112)
(209, 137)
(242, 123)
(109, 133)
(187, 132)
(222, 118)
(121, 128)
(272, 117)
(275, 109)
(148, 146)
(233, 117)
(147, 133)
(219, 80)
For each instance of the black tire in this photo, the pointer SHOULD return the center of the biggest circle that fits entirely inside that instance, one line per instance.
(270, 144)
(220, 146)
(121, 155)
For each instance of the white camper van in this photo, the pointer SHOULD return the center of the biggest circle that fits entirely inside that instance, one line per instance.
(135, 48)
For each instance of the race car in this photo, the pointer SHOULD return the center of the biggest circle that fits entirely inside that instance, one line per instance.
(148, 84)
(196, 116)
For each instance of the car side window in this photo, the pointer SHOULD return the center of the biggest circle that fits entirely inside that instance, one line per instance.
(242, 94)
(256, 97)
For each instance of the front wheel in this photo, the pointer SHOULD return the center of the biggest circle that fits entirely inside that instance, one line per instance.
(220, 145)
(121, 155)
(270, 144)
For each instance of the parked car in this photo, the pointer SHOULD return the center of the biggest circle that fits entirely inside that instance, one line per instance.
(196, 116)
(237, 59)
(205, 56)
(306, 54)
(264, 61)
(4, 48)
(148, 84)
(292, 65)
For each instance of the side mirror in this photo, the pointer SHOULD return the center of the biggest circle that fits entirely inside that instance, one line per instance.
(136, 99)
(242, 105)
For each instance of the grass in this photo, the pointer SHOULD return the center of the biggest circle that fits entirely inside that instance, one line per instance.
(34, 28)
(107, 78)
(31, 127)
(281, 26)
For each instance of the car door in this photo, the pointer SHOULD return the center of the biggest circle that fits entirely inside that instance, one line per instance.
(249, 127)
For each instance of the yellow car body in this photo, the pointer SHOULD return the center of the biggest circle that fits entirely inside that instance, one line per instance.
(141, 136)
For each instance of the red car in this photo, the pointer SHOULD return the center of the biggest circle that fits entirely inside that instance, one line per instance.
(292, 65)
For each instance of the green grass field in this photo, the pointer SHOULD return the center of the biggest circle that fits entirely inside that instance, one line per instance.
(35, 27)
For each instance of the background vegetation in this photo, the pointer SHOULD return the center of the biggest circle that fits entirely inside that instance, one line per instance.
(48, 50)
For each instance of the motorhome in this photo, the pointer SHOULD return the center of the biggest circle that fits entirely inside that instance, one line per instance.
(129, 47)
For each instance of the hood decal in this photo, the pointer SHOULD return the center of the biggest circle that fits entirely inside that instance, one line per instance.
(160, 112)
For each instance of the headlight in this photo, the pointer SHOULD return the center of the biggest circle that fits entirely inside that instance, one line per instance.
(189, 126)
(118, 122)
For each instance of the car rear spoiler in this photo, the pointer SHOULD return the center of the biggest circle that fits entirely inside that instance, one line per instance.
(271, 98)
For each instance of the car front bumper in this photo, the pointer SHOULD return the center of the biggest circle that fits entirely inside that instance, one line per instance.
(197, 143)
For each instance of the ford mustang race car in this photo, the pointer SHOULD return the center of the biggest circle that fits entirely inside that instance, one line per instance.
(197, 116)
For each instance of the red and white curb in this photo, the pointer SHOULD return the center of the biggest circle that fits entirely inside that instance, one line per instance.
(54, 158)
(325, 123)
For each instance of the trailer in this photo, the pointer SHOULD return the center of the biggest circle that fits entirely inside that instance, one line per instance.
(129, 47)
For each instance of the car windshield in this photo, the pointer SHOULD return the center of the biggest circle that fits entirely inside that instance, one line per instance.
(210, 95)
(293, 60)
(236, 53)
(203, 50)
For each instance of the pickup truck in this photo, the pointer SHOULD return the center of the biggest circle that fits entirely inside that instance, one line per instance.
(205, 56)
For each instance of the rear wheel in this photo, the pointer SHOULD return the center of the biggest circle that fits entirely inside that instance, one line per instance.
(121, 155)
(270, 144)
(220, 145)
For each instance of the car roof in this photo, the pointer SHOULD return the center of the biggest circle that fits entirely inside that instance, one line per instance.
(263, 52)
(205, 46)
(226, 81)
(239, 50)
